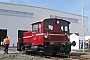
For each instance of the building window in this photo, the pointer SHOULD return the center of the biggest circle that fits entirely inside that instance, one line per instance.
(16, 13)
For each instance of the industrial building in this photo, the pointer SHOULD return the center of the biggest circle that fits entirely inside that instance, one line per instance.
(15, 18)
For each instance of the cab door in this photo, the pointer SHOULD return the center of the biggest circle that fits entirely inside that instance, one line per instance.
(34, 34)
(39, 35)
(37, 38)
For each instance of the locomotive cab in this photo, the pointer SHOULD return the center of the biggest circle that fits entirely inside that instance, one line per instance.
(49, 36)
(56, 36)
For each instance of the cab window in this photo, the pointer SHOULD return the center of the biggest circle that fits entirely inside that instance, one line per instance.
(48, 25)
(34, 27)
(64, 26)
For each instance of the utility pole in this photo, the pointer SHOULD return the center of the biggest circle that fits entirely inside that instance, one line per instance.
(83, 23)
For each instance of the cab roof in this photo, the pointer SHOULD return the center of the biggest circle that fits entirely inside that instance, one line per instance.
(40, 21)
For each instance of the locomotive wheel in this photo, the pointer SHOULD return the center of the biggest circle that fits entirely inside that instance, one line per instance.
(67, 52)
(54, 54)
(19, 49)
(41, 54)
(27, 52)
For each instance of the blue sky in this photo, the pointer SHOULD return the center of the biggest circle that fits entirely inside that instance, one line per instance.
(71, 6)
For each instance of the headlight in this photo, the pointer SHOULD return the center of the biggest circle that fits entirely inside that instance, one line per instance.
(65, 34)
(46, 35)
(68, 36)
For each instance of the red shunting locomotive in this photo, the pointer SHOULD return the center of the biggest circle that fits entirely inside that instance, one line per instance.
(49, 36)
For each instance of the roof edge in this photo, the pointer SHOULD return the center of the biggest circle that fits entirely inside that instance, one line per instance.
(40, 7)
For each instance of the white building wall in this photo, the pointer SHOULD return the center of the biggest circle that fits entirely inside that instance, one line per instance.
(15, 23)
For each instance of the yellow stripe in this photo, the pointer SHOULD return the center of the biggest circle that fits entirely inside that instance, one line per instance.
(27, 36)
(39, 34)
(51, 34)
(44, 35)
(57, 34)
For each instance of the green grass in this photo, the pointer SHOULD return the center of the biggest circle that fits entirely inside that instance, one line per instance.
(8, 59)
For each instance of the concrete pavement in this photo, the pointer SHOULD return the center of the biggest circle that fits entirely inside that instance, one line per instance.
(10, 51)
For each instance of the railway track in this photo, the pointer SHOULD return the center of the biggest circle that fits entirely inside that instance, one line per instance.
(72, 56)
(34, 56)
(22, 56)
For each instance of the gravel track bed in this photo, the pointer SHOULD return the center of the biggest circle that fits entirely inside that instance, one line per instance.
(21, 56)
(29, 57)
